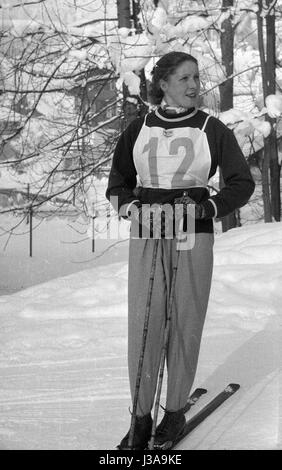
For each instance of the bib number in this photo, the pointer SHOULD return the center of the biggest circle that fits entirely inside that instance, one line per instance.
(180, 142)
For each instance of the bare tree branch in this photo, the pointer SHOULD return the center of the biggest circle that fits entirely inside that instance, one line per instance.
(26, 2)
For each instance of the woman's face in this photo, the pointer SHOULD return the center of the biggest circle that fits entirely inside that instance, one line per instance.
(183, 86)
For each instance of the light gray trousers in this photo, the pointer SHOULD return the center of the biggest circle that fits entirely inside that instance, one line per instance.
(192, 290)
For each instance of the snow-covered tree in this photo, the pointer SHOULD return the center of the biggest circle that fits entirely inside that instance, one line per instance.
(267, 48)
(60, 106)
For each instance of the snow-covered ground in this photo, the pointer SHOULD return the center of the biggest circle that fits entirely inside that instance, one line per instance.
(60, 246)
(63, 362)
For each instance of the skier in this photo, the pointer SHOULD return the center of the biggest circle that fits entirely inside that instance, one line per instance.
(163, 159)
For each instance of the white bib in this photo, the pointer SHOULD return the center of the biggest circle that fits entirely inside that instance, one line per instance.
(172, 159)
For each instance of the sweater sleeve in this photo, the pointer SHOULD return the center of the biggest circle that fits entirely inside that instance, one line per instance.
(122, 177)
(238, 181)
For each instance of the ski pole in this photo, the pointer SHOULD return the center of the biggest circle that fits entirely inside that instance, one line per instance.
(143, 345)
(164, 353)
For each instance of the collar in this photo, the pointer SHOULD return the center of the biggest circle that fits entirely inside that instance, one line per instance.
(162, 114)
(172, 109)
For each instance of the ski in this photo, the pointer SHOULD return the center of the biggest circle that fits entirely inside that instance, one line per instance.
(199, 417)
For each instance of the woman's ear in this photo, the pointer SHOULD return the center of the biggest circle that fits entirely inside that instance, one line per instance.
(163, 85)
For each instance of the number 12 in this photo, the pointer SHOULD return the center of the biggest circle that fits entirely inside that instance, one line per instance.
(152, 148)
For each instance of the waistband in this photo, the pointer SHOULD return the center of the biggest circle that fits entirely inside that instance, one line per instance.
(167, 196)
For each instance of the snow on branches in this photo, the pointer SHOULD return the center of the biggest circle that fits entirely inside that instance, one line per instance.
(245, 124)
(273, 105)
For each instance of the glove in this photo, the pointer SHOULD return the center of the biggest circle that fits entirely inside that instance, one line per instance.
(184, 201)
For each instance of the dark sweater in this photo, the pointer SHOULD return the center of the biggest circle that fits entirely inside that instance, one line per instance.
(224, 151)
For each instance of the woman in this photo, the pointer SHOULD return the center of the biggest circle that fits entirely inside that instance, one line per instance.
(172, 152)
